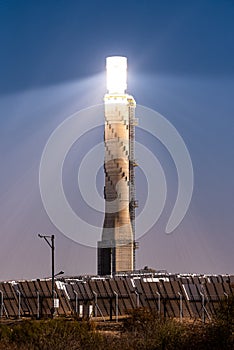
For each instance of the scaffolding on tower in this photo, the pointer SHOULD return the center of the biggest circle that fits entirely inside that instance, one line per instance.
(133, 203)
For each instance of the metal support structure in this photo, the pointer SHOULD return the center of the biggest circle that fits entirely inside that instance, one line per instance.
(81, 310)
(204, 310)
(1, 306)
(181, 307)
(226, 295)
(52, 246)
(38, 304)
(228, 311)
(90, 311)
(56, 301)
(203, 307)
(76, 302)
(111, 262)
(137, 299)
(159, 304)
(95, 306)
(19, 302)
(133, 203)
(116, 306)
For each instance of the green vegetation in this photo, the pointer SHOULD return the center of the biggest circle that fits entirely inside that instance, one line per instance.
(143, 330)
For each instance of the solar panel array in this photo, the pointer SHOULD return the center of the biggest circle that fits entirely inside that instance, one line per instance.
(189, 296)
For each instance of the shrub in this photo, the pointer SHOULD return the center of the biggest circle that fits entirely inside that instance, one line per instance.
(52, 334)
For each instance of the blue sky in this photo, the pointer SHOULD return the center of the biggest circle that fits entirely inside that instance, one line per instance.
(181, 64)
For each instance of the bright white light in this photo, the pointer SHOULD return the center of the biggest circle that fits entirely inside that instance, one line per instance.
(116, 74)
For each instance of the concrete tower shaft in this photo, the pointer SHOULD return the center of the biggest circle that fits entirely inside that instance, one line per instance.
(115, 251)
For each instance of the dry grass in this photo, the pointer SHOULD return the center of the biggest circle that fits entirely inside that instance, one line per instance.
(142, 330)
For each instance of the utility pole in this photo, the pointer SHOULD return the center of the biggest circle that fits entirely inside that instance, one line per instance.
(51, 245)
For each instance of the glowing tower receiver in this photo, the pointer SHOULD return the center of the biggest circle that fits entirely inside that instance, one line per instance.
(116, 250)
(116, 74)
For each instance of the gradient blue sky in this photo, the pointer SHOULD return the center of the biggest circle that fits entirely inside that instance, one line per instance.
(181, 64)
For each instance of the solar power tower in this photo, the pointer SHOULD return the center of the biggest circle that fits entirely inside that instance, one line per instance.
(116, 250)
